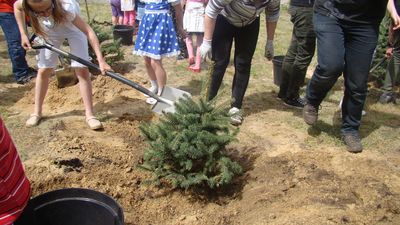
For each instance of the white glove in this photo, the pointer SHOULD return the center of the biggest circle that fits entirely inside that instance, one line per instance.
(205, 49)
(269, 49)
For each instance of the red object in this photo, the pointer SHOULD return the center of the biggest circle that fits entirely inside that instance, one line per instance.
(14, 185)
(7, 6)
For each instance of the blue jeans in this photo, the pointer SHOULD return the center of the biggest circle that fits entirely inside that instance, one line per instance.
(343, 47)
(16, 52)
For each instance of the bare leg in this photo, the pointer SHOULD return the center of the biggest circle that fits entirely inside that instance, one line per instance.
(196, 67)
(152, 75)
(189, 46)
(41, 86)
(120, 20)
(85, 87)
(160, 73)
(114, 20)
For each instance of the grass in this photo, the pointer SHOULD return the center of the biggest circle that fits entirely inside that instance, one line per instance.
(380, 128)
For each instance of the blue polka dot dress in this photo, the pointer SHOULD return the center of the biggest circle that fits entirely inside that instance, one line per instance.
(157, 36)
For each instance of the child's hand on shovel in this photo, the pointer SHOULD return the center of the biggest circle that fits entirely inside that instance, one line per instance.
(104, 67)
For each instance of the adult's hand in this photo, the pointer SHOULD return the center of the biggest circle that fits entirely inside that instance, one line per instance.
(269, 49)
(205, 49)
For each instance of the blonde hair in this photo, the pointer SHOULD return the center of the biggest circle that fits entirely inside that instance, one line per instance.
(58, 13)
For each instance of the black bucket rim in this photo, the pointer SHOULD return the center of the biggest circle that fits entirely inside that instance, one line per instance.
(79, 195)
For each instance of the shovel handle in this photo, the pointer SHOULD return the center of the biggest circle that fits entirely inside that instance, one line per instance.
(108, 73)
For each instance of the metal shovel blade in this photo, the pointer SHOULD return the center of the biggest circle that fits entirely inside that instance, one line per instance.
(171, 95)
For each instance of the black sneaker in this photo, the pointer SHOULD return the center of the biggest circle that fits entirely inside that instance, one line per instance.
(296, 102)
(387, 97)
(353, 142)
(31, 74)
(310, 114)
(280, 97)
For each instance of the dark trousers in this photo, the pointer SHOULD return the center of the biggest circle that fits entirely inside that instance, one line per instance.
(343, 47)
(393, 68)
(245, 45)
(300, 52)
(15, 50)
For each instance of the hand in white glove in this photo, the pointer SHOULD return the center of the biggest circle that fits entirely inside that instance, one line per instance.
(269, 49)
(205, 49)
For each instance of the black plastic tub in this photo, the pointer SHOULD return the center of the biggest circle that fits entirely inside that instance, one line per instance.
(73, 206)
(125, 33)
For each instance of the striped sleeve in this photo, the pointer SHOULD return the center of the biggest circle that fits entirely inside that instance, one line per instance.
(272, 11)
(214, 7)
(14, 186)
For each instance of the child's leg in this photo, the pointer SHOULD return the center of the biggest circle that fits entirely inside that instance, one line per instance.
(85, 88)
(132, 18)
(126, 17)
(120, 20)
(199, 41)
(189, 46)
(41, 86)
(159, 71)
(152, 75)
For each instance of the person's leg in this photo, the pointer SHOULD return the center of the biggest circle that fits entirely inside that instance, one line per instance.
(126, 18)
(114, 15)
(85, 88)
(197, 65)
(304, 32)
(160, 73)
(287, 65)
(151, 74)
(245, 45)
(189, 46)
(47, 61)
(387, 83)
(221, 51)
(331, 52)
(15, 50)
(361, 40)
(79, 46)
(132, 17)
(41, 87)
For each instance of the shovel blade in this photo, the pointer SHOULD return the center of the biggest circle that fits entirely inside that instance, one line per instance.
(170, 94)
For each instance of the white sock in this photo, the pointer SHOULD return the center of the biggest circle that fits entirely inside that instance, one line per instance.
(160, 91)
(154, 86)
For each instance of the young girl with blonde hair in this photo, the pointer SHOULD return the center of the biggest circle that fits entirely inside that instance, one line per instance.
(55, 21)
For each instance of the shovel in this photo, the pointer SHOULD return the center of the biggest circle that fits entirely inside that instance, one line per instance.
(165, 103)
(66, 75)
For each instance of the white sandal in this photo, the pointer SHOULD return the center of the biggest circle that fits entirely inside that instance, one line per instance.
(33, 120)
(151, 101)
(94, 123)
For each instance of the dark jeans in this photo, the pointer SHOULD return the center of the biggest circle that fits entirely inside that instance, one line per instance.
(245, 45)
(393, 68)
(15, 50)
(343, 47)
(300, 52)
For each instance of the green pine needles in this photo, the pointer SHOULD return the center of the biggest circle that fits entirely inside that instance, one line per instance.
(187, 148)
